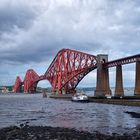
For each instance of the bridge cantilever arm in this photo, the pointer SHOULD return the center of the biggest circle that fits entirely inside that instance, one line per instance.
(122, 61)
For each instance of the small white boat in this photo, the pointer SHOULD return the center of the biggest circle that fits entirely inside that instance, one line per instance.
(108, 96)
(80, 97)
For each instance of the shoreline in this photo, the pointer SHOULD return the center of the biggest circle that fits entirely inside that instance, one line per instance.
(26, 132)
(126, 100)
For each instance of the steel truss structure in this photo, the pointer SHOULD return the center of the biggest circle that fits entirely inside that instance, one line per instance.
(18, 85)
(30, 81)
(67, 69)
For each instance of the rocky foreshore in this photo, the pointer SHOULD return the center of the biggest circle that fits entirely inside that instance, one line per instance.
(25, 132)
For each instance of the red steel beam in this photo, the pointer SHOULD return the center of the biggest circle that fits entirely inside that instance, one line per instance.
(122, 61)
(18, 85)
(30, 81)
(68, 68)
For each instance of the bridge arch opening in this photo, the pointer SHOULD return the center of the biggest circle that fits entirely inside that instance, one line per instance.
(103, 60)
(44, 85)
(112, 79)
(128, 79)
(88, 83)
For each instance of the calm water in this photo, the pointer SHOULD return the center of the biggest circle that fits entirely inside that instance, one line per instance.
(20, 108)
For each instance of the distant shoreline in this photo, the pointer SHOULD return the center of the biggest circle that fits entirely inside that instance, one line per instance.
(126, 100)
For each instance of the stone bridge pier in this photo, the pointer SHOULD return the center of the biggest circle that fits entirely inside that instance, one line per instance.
(137, 79)
(119, 82)
(102, 84)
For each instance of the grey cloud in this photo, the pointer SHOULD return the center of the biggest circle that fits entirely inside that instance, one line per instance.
(12, 16)
(65, 25)
(34, 34)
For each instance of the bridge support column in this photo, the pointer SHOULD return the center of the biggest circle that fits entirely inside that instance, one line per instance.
(119, 82)
(137, 79)
(102, 86)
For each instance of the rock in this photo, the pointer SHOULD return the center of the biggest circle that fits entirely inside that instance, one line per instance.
(57, 133)
(133, 114)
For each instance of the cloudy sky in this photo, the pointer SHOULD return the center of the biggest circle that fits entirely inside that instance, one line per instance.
(33, 31)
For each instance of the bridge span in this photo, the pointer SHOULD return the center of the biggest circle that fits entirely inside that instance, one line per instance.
(69, 67)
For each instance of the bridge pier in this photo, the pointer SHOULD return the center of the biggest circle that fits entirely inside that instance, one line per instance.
(102, 85)
(119, 82)
(137, 79)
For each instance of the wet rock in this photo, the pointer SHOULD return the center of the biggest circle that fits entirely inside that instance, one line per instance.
(133, 114)
(24, 132)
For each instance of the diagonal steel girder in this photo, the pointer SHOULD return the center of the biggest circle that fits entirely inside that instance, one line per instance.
(68, 68)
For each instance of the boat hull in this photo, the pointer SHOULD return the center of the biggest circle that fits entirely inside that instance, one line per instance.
(80, 98)
(82, 101)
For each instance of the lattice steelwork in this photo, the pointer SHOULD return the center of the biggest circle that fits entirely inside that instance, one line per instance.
(30, 81)
(123, 61)
(18, 84)
(68, 68)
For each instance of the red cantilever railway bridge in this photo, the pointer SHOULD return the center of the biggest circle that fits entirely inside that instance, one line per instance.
(69, 67)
